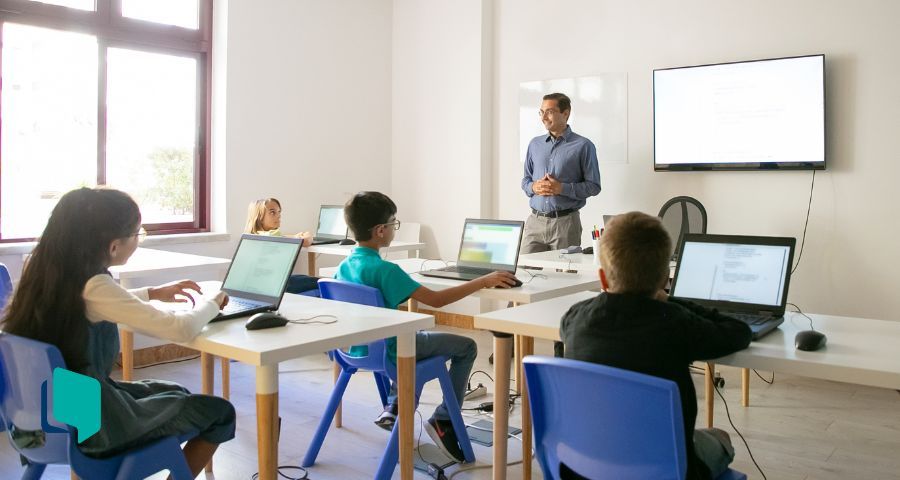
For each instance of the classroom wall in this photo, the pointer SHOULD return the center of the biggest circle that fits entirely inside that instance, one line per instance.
(441, 135)
(851, 257)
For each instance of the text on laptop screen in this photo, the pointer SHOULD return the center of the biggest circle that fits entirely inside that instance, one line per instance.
(261, 267)
(490, 243)
(331, 221)
(733, 273)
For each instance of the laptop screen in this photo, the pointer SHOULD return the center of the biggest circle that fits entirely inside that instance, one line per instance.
(261, 266)
(490, 244)
(737, 270)
(331, 222)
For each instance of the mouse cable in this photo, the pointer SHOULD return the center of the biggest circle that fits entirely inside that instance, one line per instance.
(805, 224)
(534, 275)
(805, 315)
(763, 378)
(310, 320)
(304, 474)
(728, 414)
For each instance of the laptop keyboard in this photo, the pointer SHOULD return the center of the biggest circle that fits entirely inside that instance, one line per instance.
(238, 305)
(751, 319)
(461, 269)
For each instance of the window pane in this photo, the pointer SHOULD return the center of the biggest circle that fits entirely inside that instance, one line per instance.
(181, 13)
(79, 4)
(152, 131)
(48, 140)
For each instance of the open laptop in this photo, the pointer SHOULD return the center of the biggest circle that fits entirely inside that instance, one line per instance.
(744, 277)
(258, 274)
(332, 228)
(486, 246)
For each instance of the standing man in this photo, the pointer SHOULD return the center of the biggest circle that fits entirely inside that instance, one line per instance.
(561, 172)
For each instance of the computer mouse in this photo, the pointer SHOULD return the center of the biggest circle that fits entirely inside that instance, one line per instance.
(265, 320)
(588, 250)
(810, 340)
(347, 241)
(517, 284)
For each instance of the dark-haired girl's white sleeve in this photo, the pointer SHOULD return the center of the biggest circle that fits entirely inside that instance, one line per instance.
(105, 300)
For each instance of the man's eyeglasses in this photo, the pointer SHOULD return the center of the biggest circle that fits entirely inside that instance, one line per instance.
(141, 235)
(549, 111)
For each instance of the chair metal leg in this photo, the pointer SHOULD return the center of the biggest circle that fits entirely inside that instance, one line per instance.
(383, 383)
(319, 438)
(459, 425)
(33, 471)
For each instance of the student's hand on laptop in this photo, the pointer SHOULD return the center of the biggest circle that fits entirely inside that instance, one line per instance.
(500, 279)
(307, 238)
(176, 292)
(221, 298)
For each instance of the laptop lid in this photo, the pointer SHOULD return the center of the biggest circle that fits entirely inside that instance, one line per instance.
(261, 267)
(490, 244)
(735, 273)
(331, 223)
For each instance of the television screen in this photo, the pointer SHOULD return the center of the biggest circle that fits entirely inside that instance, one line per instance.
(754, 115)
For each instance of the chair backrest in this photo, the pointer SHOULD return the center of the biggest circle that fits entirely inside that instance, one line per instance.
(604, 422)
(26, 365)
(5, 285)
(376, 358)
(682, 215)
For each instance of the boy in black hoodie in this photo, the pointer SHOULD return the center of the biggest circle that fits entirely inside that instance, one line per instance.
(634, 325)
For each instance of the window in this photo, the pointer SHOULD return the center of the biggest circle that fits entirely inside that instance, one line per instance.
(104, 92)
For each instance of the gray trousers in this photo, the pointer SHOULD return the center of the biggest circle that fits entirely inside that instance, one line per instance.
(549, 233)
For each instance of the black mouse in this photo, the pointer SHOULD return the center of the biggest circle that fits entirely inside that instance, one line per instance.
(810, 340)
(347, 241)
(265, 320)
(588, 250)
(517, 284)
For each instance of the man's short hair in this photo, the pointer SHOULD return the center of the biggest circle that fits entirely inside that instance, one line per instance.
(562, 101)
(634, 251)
(365, 211)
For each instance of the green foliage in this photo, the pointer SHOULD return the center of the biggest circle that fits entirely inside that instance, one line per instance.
(174, 171)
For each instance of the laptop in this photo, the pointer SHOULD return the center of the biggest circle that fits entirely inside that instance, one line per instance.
(332, 228)
(258, 274)
(744, 277)
(486, 246)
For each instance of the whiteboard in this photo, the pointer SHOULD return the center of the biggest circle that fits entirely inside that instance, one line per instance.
(599, 112)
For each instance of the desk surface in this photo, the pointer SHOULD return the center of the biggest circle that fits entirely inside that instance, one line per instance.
(356, 324)
(563, 261)
(344, 250)
(147, 261)
(537, 285)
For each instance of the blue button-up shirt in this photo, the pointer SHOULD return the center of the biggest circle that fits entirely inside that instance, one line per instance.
(572, 160)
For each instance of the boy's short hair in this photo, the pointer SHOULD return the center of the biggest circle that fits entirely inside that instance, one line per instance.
(365, 211)
(634, 251)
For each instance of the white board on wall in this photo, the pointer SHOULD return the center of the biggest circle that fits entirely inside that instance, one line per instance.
(599, 112)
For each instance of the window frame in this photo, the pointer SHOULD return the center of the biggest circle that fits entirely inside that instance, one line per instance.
(115, 31)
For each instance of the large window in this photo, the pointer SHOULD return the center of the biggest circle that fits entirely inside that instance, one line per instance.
(104, 92)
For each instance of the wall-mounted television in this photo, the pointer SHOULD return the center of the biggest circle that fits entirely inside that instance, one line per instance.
(753, 115)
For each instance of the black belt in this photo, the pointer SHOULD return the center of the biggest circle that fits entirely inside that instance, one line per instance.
(555, 213)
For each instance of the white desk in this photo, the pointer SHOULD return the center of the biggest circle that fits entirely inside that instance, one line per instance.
(265, 349)
(147, 262)
(344, 251)
(563, 261)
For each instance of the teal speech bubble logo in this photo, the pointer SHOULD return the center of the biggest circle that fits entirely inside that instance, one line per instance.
(76, 402)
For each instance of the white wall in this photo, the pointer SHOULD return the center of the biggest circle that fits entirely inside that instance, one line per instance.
(851, 255)
(441, 125)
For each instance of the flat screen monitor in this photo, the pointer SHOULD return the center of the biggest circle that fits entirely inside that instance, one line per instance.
(753, 115)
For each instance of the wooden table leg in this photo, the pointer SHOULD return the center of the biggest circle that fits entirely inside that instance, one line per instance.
(502, 346)
(72, 475)
(311, 261)
(126, 342)
(338, 418)
(745, 387)
(267, 420)
(517, 367)
(710, 398)
(207, 383)
(526, 349)
(226, 378)
(406, 398)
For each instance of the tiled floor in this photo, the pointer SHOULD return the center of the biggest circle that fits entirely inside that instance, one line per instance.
(798, 428)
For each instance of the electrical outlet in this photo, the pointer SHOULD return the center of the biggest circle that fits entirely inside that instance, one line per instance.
(476, 392)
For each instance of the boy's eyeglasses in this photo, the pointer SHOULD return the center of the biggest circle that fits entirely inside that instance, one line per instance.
(141, 235)
(395, 224)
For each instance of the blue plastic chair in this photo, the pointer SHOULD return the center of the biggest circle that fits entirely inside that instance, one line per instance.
(377, 361)
(5, 286)
(26, 371)
(604, 422)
